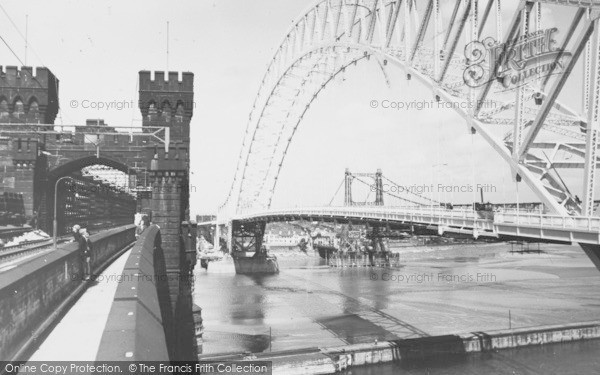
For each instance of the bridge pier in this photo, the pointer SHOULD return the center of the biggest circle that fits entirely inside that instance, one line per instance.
(167, 213)
(593, 252)
(377, 235)
(246, 238)
(168, 174)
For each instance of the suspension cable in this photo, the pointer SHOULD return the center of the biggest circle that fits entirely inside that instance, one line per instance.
(393, 195)
(336, 192)
(21, 35)
(410, 191)
(11, 50)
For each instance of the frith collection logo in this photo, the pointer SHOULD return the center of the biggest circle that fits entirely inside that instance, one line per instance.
(514, 63)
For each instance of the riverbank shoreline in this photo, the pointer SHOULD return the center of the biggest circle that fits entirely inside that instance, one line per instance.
(334, 359)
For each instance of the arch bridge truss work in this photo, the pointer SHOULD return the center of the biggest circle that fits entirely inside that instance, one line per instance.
(426, 39)
(504, 79)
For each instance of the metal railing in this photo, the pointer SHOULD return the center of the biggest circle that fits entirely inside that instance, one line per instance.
(27, 248)
(462, 220)
(589, 223)
(427, 215)
(367, 212)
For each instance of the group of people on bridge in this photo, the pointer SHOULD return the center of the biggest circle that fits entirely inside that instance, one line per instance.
(82, 238)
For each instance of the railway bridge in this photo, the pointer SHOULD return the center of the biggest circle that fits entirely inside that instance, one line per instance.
(98, 176)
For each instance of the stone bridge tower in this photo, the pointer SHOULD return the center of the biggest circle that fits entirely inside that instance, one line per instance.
(32, 160)
(25, 97)
(168, 101)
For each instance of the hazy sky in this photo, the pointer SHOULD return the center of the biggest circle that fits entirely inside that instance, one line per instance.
(97, 47)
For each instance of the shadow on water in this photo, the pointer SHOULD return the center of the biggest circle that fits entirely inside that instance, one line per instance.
(243, 304)
(252, 311)
(420, 356)
(259, 280)
(349, 325)
(355, 330)
(351, 282)
(239, 342)
(250, 307)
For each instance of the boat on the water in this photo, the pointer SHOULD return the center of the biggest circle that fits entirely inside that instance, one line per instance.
(207, 255)
(210, 255)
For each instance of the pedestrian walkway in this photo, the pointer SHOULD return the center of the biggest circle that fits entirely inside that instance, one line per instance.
(77, 336)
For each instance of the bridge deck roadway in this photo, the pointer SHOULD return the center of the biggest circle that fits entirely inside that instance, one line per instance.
(77, 336)
(526, 225)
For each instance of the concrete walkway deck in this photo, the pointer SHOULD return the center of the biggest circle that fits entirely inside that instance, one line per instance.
(77, 335)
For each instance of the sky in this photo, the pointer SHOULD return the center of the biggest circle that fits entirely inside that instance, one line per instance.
(97, 47)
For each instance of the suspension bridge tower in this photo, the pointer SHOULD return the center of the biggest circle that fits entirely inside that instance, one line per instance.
(349, 178)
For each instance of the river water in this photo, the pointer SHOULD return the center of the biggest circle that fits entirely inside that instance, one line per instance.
(432, 291)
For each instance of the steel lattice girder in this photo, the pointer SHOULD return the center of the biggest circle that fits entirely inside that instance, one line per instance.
(333, 35)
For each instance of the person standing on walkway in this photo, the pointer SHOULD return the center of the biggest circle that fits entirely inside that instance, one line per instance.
(144, 223)
(75, 231)
(85, 247)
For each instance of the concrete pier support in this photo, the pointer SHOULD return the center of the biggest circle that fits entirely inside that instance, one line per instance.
(249, 255)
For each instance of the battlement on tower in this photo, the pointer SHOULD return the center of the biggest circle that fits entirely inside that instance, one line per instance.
(167, 101)
(170, 82)
(12, 76)
(28, 86)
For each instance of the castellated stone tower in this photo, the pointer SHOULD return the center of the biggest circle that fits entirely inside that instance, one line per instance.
(167, 101)
(26, 96)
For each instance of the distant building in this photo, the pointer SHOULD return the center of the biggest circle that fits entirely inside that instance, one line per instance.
(284, 237)
(205, 218)
(98, 124)
(326, 239)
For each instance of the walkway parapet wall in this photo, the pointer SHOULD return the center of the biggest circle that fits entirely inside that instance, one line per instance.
(33, 294)
(139, 321)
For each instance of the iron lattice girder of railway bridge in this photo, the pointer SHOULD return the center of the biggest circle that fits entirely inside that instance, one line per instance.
(35, 153)
(443, 46)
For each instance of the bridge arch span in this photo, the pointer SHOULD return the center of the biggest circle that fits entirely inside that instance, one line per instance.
(85, 201)
(332, 35)
(86, 161)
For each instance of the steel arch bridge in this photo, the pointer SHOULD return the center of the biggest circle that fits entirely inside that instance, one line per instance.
(448, 46)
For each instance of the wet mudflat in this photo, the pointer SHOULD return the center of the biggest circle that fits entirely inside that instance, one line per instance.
(434, 291)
